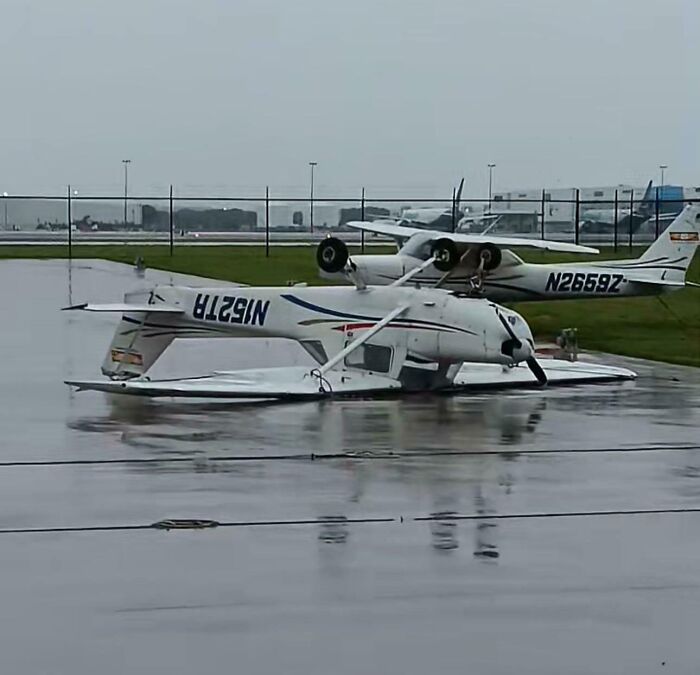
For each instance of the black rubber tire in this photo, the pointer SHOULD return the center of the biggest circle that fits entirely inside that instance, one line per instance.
(446, 254)
(491, 255)
(331, 255)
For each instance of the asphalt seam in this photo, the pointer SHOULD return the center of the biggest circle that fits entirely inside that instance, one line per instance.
(195, 524)
(352, 454)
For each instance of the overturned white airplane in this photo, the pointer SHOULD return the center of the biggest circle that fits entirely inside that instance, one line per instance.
(365, 340)
(484, 265)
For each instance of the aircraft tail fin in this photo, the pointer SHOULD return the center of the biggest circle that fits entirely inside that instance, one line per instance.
(670, 255)
(648, 200)
(134, 347)
(139, 340)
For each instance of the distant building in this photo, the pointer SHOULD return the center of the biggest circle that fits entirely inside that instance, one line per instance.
(29, 214)
(560, 203)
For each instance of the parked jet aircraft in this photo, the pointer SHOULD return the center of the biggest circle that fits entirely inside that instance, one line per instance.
(602, 220)
(364, 339)
(430, 217)
(483, 265)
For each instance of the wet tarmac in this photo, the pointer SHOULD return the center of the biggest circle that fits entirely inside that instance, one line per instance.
(598, 594)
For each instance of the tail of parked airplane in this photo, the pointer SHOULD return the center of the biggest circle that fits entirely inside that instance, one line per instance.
(646, 206)
(669, 257)
(140, 338)
(146, 329)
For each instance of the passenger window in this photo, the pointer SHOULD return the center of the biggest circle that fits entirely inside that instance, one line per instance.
(376, 358)
(315, 349)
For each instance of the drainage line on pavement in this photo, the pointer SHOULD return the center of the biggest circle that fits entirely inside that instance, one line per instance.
(198, 524)
(350, 454)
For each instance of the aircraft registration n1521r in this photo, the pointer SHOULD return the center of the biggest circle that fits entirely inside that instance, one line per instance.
(484, 265)
(365, 340)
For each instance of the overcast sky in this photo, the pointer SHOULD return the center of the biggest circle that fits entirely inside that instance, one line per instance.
(404, 95)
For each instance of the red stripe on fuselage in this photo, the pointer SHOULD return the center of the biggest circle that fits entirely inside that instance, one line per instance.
(363, 326)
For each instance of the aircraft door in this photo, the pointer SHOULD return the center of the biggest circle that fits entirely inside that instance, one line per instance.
(384, 353)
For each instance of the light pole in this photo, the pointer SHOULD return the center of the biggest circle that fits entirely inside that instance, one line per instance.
(660, 190)
(4, 201)
(311, 203)
(126, 163)
(491, 168)
(75, 194)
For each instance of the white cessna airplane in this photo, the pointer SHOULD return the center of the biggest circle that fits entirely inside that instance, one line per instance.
(484, 265)
(365, 340)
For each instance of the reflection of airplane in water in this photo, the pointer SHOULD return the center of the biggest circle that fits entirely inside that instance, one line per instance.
(388, 442)
(407, 453)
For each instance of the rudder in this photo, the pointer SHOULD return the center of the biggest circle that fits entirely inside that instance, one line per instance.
(138, 342)
(676, 245)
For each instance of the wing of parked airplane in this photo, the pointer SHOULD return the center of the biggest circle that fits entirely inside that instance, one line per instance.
(297, 383)
(286, 382)
(125, 307)
(402, 232)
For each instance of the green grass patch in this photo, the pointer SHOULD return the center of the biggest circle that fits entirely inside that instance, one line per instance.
(664, 329)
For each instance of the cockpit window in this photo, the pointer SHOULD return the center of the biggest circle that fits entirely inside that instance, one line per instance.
(418, 246)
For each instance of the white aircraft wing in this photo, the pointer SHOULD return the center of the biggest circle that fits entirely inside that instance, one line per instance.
(402, 232)
(297, 382)
(546, 244)
(292, 382)
(393, 230)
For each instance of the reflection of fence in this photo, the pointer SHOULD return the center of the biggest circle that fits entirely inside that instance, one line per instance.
(266, 219)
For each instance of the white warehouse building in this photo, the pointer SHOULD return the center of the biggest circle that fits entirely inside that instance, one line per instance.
(560, 203)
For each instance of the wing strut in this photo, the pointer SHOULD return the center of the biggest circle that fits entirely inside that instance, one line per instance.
(362, 338)
(412, 273)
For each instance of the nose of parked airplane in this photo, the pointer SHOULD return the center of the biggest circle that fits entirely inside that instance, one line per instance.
(518, 342)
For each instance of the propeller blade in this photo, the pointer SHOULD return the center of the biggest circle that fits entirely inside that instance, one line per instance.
(458, 199)
(537, 370)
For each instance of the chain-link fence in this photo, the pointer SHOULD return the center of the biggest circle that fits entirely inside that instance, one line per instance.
(617, 217)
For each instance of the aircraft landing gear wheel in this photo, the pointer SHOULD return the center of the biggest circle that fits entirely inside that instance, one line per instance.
(489, 257)
(331, 255)
(446, 254)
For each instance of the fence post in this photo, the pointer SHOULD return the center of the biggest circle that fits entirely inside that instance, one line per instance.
(267, 221)
(577, 215)
(656, 213)
(542, 207)
(615, 223)
(362, 217)
(70, 232)
(171, 222)
(631, 218)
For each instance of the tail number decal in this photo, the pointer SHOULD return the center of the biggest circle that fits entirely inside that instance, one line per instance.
(230, 309)
(580, 282)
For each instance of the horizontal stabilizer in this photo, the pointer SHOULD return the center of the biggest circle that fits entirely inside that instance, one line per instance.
(658, 282)
(122, 307)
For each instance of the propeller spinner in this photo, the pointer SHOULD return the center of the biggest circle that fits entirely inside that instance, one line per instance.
(514, 343)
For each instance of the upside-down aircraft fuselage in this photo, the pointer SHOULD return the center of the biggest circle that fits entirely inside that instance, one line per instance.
(363, 338)
(506, 277)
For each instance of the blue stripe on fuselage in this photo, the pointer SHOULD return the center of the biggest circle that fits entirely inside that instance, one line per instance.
(346, 315)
